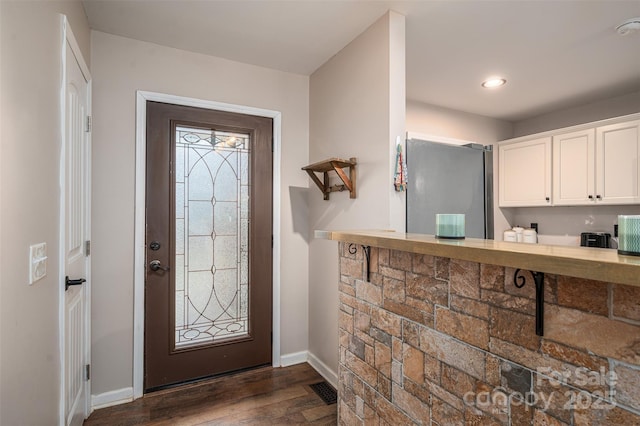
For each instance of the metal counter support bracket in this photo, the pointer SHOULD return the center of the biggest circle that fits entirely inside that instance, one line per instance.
(367, 254)
(538, 277)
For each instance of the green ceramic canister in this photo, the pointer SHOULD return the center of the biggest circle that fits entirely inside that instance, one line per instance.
(450, 226)
(629, 235)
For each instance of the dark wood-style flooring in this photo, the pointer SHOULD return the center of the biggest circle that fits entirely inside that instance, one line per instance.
(265, 396)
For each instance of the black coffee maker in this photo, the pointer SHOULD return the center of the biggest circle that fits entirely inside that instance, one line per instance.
(595, 239)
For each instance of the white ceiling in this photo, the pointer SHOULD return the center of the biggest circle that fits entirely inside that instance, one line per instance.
(554, 54)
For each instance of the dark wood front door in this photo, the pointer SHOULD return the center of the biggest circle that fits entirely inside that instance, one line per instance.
(208, 289)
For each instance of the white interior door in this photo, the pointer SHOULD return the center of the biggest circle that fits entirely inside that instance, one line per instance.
(75, 205)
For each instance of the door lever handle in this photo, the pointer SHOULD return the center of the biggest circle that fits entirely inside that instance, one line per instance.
(68, 282)
(156, 265)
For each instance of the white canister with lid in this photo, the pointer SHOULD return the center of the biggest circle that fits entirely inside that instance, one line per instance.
(509, 235)
(518, 230)
(529, 235)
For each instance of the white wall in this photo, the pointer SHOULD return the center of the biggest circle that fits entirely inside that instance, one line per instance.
(439, 121)
(354, 112)
(397, 116)
(30, 143)
(122, 66)
(569, 221)
(594, 111)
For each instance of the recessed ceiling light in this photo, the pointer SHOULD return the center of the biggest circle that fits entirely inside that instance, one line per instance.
(493, 82)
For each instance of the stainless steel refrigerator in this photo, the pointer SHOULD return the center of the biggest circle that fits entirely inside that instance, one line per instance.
(443, 178)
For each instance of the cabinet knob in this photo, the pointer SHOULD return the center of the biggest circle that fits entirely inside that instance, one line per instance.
(591, 197)
(599, 197)
(547, 198)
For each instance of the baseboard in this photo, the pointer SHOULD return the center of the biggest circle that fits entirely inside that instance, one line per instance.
(322, 368)
(111, 398)
(294, 358)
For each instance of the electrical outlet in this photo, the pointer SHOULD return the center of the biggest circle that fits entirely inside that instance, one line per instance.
(37, 262)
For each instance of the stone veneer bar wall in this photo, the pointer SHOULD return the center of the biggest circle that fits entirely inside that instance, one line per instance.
(440, 341)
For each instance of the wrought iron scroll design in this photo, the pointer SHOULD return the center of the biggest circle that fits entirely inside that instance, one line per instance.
(519, 281)
(353, 249)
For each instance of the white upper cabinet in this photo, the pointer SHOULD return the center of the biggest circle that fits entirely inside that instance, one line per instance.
(617, 154)
(593, 164)
(574, 168)
(524, 173)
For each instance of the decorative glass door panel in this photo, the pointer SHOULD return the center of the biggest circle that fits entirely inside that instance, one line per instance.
(211, 236)
(209, 227)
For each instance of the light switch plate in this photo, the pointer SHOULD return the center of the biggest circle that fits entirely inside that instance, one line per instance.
(37, 262)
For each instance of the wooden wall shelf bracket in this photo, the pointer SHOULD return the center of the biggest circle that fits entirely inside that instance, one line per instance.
(336, 165)
(538, 278)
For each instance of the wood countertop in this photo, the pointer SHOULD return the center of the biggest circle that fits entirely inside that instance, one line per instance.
(591, 263)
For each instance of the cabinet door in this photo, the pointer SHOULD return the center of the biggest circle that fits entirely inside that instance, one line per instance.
(617, 175)
(574, 168)
(524, 173)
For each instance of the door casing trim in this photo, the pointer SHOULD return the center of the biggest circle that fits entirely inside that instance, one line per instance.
(139, 228)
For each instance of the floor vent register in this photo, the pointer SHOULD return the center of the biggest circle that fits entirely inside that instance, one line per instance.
(326, 392)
